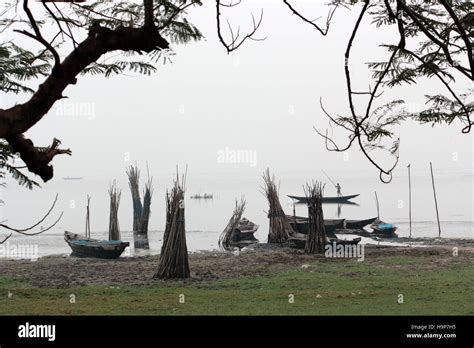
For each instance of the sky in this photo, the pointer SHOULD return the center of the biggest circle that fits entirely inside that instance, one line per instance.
(263, 98)
(235, 114)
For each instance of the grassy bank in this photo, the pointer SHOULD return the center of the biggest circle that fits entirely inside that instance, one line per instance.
(430, 284)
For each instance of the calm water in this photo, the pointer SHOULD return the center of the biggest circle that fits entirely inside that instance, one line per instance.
(206, 219)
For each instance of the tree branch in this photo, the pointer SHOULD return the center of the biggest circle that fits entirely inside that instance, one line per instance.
(235, 43)
(312, 23)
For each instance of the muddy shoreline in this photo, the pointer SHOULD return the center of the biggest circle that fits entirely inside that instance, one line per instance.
(67, 272)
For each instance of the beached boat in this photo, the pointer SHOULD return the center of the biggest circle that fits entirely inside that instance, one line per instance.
(359, 224)
(244, 231)
(301, 224)
(364, 233)
(87, 247)
(341, 199)
(383, 229)
(298, 241)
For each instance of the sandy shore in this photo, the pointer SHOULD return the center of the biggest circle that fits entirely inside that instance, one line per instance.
(65, 272)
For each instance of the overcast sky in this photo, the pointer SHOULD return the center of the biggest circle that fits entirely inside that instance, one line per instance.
(263, 98)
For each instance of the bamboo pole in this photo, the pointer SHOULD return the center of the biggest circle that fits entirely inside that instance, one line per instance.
(378, 209)
(435, 199)
(88, 222)
(409, 195)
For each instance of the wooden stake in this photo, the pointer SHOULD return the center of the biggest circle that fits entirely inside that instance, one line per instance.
(409, 195)
(378, 209)
(435, 199)
(88, 221)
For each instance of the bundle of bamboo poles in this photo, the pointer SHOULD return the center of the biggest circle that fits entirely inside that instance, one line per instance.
(316, 237)
(133, 174)
(141, 211)
(141, 236)
(114, 229)
(280, 227)
(174, 262)
(226, 235)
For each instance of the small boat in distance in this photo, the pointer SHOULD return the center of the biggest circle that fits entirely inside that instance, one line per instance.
(204, 196)
(341, 199)
(72, 178)
(83, 246)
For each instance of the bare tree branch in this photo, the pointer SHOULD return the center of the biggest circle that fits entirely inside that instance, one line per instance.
(235, 43)
(323, 31)
(24, 231)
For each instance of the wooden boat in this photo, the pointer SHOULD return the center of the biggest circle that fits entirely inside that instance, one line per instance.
(298, 241)
(341, 199)
(364, 233)
(301, 224)
(359, 224)
(244, 232)
(87, 247)
(383, 229)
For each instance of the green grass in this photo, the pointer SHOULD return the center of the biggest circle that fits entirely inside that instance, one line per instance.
(345, 287)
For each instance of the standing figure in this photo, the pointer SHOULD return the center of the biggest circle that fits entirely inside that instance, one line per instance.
(338, 188)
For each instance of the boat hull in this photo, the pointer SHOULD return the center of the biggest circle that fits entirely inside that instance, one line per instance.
(82, 246)
(299, 242)
(301, 224)
(341, 199)
(359, 224)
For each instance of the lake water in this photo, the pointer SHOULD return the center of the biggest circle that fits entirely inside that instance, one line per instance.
(205, 219)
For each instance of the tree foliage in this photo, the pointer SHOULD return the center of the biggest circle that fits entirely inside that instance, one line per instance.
(85, 40)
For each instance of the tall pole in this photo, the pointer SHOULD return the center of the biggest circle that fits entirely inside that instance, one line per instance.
(435, 199)
(377, 200)
(409, 195)
(332, 182)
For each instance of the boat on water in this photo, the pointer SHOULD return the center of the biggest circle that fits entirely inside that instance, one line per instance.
(204, 196)
(83, 246)
(72, 178)
(340, 199)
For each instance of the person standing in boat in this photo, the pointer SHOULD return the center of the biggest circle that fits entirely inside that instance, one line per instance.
(338, 188)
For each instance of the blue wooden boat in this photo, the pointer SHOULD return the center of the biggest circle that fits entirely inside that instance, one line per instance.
(383, 229)
(83, 246)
